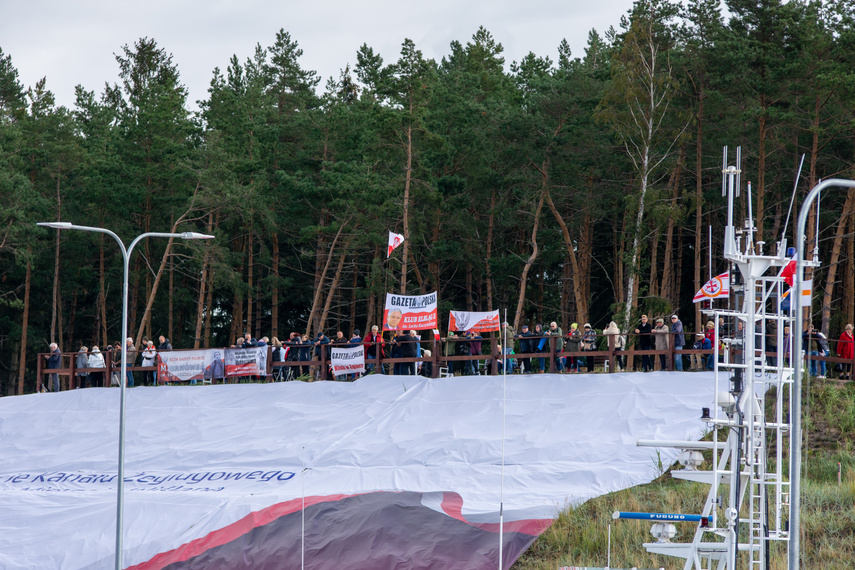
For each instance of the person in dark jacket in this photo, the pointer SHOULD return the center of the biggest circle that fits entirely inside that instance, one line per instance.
(54, 361)
(305, 353)
(679, 342)
(408, 348)
(645, 342)
(164, 344)
(527, 345)
(473, 347)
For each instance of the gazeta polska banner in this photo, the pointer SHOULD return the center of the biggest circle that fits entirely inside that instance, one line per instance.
(471, 321)
(347, 360)
(406, 312)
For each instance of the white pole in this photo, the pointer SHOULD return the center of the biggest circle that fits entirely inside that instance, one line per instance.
(796, 414)
(609, 559)
(502, 477)
(303, 513)
(126, 256)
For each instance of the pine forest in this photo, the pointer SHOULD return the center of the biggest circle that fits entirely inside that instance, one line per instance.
(579, 190)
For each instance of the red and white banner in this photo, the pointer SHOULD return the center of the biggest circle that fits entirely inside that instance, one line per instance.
(405, 312)
(717, 287)
(347, 360)
(471, 321)
(187, 365)
(246, 361)
(394, 241)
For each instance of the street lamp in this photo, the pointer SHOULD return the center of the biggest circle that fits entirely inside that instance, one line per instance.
(796, 413)
(126, 256)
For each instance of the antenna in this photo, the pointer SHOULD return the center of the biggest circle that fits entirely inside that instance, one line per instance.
(792, 199)
(738, 170)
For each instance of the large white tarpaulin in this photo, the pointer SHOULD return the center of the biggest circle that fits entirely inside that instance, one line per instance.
(348, 474)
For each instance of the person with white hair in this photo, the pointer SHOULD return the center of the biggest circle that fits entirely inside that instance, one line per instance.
(149, 355)
(96, 360)
(54, 361)
(82, 361)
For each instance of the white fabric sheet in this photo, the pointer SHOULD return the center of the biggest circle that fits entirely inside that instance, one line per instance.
(200, 458)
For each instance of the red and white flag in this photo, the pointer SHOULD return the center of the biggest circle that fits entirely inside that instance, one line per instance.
(718, 286)
(394, 241)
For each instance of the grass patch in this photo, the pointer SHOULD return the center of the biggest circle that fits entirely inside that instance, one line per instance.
(579, 537)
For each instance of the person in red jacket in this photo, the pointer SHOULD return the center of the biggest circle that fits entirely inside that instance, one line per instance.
(374, 344)
(846, 349)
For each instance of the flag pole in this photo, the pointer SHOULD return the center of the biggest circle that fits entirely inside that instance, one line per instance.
(502, 477)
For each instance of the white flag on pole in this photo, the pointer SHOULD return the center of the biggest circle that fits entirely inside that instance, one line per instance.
(394, 241)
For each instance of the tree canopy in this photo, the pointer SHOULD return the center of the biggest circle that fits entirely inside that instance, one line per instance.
(577, 190)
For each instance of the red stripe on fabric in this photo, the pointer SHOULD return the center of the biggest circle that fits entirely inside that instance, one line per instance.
(452, 505)
(233, 531)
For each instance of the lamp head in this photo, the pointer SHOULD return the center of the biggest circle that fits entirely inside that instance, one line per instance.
(56, 225)
(195, 235)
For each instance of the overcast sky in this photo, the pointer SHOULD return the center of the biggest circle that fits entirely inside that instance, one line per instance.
(73, 41)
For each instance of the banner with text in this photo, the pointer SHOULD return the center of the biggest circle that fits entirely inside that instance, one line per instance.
(347, 360)
(246, 361)
(471, 321)
(405, 312)
(186, 365)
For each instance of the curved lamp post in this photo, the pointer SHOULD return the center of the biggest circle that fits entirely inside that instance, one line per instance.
(796, 415)
(126, 256)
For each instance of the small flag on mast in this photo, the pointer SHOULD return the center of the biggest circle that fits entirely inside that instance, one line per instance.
(394, 241)
(718, 286)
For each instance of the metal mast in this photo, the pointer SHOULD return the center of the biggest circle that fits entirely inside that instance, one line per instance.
(748, 504)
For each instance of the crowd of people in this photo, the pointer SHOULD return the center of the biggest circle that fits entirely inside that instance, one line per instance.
(94, 358)
(566, 349)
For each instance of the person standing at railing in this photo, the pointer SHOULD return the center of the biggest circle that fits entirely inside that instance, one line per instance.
(846, 349)
(661, 331)
(619, 344)
(645, 342)
(555, 330)
(589, 344)
(699, 360)
(96, 360)
(374, 344)
(574, 342)
(679, 342)
(54, 361)
(149, 357)
(82, 361)
(449, 346)
(541, 344)
(408, 344)
(526, 346)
